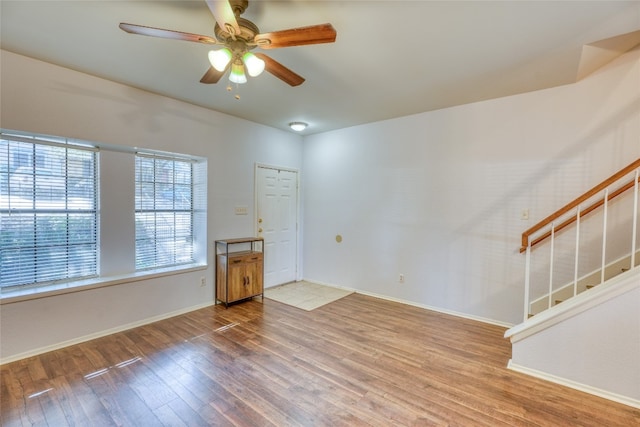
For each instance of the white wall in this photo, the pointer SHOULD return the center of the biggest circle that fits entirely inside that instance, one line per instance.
(438, 196)
(41, 98)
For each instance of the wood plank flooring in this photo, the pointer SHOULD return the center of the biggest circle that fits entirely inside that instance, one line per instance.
(360, 361)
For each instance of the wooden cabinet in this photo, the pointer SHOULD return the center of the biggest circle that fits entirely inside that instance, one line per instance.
(239, 269)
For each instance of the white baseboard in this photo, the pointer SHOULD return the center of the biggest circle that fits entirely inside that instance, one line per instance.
(415, 304)
(100, 334)
(625, 400)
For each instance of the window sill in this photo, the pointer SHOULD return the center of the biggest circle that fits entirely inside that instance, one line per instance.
(8, 296)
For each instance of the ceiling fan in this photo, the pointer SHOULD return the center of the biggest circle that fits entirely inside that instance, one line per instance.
(237, 37)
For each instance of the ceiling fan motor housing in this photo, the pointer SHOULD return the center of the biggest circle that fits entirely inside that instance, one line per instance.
(248, 31)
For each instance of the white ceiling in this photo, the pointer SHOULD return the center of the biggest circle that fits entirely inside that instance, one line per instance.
(390, 58)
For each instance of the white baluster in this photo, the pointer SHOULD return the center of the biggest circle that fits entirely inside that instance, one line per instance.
(527, 276)
(553, 231)
(635, 220)
(575, 269)
(604, 234)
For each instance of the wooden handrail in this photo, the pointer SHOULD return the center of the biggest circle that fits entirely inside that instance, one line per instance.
(575, 203)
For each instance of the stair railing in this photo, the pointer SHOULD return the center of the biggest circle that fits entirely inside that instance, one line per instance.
(547, 228)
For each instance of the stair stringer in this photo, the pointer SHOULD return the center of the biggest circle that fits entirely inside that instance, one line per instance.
(590, 342)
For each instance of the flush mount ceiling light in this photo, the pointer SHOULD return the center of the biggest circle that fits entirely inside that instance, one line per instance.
(298, 126)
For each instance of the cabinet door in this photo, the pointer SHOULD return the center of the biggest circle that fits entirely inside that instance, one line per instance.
(221, 278)
(237, 280)
(254, 278)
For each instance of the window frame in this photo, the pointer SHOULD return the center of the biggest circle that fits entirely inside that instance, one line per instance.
(156, 207)
(47, 208)
(122, 271)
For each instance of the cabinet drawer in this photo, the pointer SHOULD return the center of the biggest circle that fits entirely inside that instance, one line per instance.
(245, 257)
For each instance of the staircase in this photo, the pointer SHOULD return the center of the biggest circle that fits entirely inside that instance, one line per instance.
(615, 202)
(581, 324)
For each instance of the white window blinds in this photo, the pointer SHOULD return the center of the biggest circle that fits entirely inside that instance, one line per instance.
(48, 211)
(164, 211)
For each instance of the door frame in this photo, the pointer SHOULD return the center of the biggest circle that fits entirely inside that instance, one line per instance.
(298, 275)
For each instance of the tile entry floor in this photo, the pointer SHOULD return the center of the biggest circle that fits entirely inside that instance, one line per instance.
(305, 295)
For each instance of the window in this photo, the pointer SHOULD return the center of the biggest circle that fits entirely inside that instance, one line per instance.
(164, 212)
(48, 211)
(59, 196)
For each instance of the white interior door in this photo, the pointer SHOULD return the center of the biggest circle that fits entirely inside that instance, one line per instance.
(277, 219)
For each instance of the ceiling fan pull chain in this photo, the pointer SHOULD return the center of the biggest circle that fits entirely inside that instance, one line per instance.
(230, 89)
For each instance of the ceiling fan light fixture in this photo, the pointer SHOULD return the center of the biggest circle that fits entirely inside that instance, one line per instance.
(220, 58)
(255, 65)
(237, 74)
(298, 126)
(236, 36)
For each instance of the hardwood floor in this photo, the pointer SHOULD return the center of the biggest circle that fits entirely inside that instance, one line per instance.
(359, 361)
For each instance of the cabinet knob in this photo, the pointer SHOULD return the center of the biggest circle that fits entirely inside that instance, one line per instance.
(260, 230)
(259, 220)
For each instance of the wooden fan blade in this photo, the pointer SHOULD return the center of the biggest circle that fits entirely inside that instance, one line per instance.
(223, 13)
(166, 34)
(280, 71)
(212, 75)
(315, 34)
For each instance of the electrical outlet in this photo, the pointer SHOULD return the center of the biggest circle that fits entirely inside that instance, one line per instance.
(203, 281)
(401, 278)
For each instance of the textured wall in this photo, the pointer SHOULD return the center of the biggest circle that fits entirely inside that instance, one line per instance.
(438, 196)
